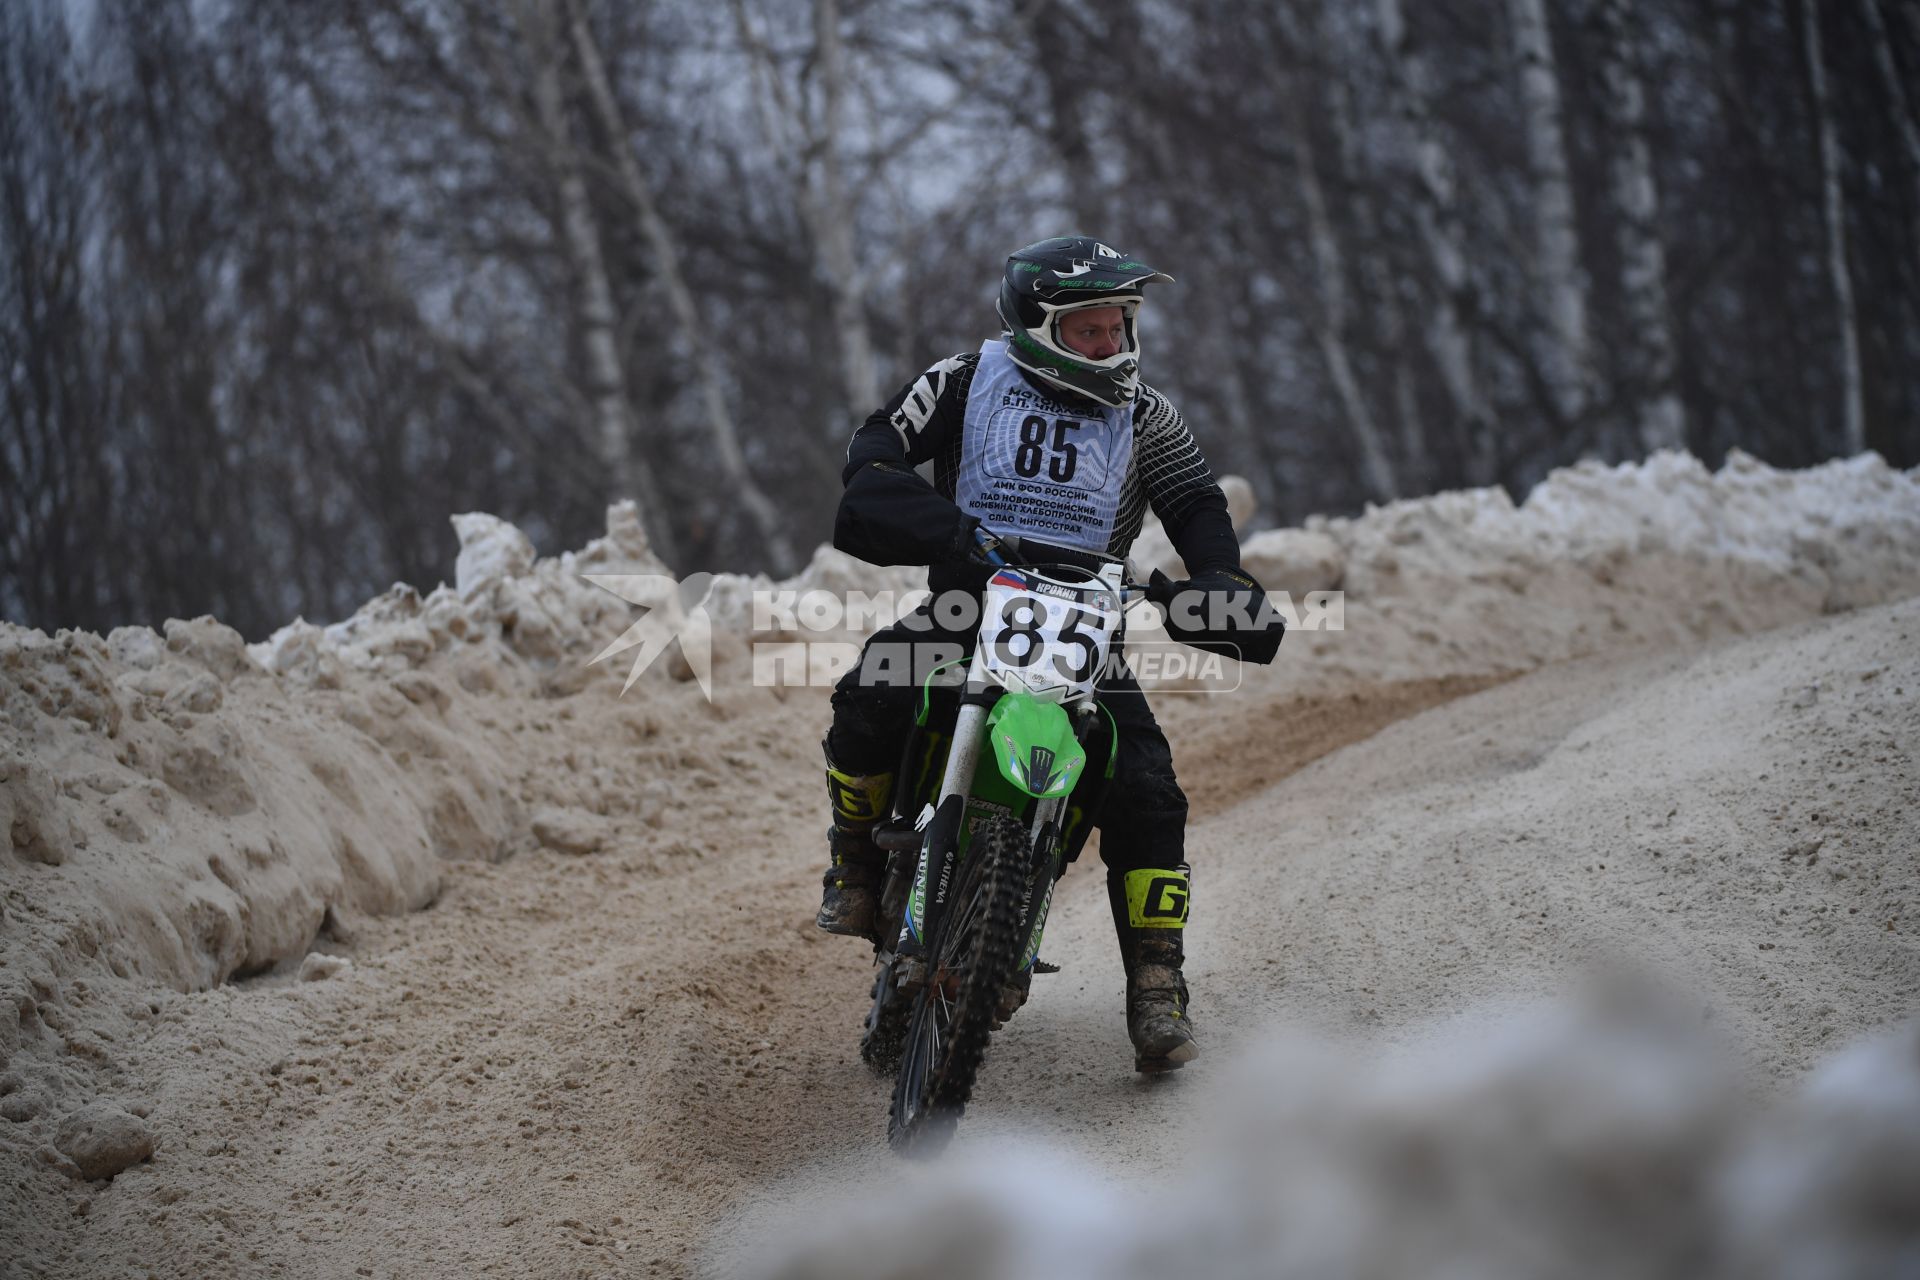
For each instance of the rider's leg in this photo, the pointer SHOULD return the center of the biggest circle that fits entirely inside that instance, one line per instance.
(1149, 908)
(1142, 841)
(850, 889)
(872, 708)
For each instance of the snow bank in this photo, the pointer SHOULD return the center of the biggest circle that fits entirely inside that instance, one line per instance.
(185, 808)
(1661, 552)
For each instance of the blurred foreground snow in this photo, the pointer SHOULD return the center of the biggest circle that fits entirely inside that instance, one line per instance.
(1586, 1139)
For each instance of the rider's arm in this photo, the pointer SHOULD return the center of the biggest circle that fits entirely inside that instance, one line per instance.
(889, 514)
(1181, 488)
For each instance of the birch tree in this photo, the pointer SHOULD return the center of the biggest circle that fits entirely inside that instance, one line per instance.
(1050, 30)
(1646, 358)
(1833, 204)
(806, 129)
(596, 316)
(664, 248)
(1330, 275)
(1434, 194)
(1902, 102)
(1368, 214)
(1559, 280)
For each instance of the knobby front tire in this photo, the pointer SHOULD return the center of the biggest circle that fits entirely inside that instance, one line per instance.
(952, 1015)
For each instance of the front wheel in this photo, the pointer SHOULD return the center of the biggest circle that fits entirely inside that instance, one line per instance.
(886, 1030)
(952, 1014)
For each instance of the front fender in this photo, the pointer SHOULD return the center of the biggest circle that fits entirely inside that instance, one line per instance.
(1034, 745)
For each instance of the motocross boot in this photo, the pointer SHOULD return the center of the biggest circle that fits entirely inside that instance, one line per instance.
(850, 890)
(1150, 914)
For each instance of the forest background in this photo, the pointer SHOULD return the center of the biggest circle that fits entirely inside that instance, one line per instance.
(283, 285)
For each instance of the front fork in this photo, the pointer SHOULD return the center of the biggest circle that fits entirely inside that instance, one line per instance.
(941, 840)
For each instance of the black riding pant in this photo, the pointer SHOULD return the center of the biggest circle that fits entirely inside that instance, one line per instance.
(1143, 819)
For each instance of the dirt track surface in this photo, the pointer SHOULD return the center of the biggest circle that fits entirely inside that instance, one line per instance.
(566, 1065)
(583, 1065)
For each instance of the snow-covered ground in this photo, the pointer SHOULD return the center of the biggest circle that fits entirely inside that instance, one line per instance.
(212, 942)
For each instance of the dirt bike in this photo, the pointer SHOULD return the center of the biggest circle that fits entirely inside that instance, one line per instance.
(1000, 777)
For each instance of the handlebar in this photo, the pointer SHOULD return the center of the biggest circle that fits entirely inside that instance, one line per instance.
(1003, 549)
(988, 545)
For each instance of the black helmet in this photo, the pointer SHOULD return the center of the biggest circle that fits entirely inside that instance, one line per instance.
(1071, 273)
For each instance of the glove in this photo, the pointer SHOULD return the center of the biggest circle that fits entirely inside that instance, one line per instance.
(1221, 611)
(963, 548)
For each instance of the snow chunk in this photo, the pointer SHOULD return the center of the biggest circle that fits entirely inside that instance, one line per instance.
(139, 647)
(210, 644)
(491, 550)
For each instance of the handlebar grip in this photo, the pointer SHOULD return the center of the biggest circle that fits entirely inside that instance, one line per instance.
(988, 546)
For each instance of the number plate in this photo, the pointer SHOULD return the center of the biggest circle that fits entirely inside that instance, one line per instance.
(1049, 637)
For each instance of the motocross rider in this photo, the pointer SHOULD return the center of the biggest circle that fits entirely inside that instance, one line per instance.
(1046, 432)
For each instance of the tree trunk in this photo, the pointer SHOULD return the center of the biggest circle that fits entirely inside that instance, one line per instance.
(1330, 332)
(1567, 363)
(825, 205)
(1852, 407)
(1900, 101)
(665, 251)
(1379, 279)
(598, 321)
(832, 211)
(1046, 29)
(1437, 215)
(1646, 358)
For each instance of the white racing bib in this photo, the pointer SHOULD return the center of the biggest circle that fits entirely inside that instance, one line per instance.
(1032, 466)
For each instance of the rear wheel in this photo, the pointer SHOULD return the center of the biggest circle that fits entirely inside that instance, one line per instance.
(952, 1014)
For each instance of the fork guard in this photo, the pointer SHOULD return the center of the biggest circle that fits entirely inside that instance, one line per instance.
(1034, 745)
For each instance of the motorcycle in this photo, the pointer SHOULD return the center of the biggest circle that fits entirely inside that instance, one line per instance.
(1000, 776)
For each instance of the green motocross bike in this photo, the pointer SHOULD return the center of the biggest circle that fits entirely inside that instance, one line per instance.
(1002, 772)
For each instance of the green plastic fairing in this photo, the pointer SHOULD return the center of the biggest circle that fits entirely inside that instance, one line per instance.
(1033, 743)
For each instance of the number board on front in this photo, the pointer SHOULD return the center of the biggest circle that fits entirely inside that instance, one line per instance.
(1045, 639)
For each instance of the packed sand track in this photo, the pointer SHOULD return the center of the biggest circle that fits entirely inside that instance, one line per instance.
(408, 946)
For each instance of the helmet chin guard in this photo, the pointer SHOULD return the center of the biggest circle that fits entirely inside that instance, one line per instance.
(1048, 280)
